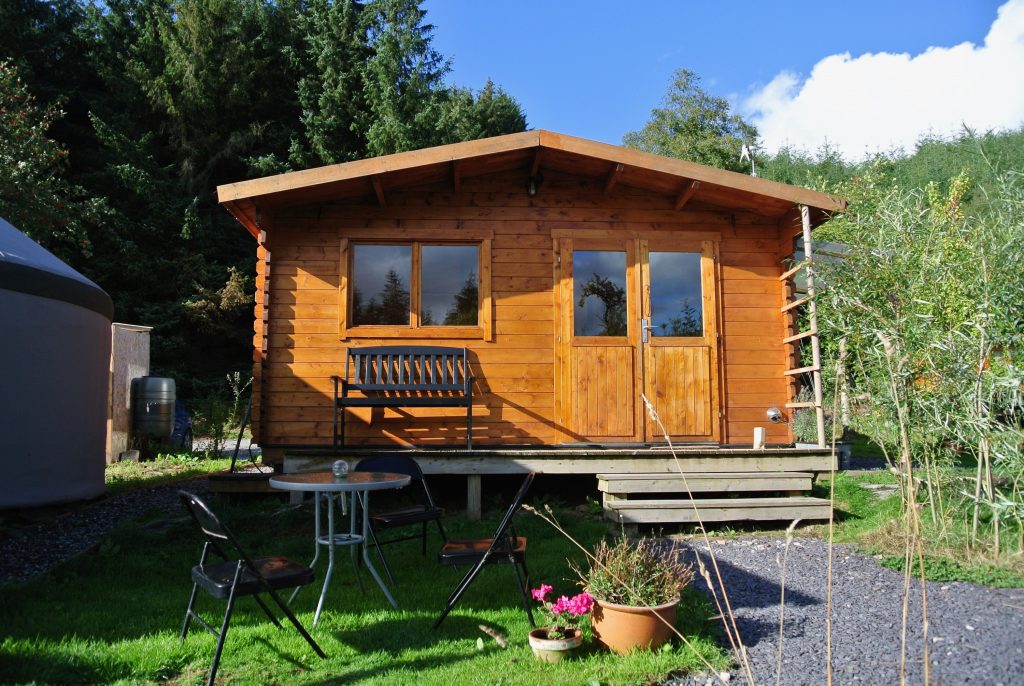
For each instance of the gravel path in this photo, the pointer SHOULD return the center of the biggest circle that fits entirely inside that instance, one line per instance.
(37, 548)
(975, 635)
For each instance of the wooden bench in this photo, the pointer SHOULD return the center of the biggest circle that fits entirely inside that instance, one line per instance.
(404, 376)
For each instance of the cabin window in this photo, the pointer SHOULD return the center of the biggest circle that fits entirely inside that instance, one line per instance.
(449, 285)
(676, 296)
(600, 292)
(381, 276)
(416, 289)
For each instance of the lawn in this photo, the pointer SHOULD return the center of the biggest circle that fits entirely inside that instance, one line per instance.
(113, 615)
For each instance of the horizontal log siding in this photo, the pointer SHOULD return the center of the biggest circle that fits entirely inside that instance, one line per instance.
(752, 331)
(514, 392)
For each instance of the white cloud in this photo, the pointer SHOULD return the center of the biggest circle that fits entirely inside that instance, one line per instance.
(878, 101)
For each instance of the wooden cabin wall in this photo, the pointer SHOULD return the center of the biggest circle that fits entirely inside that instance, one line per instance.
(514, 393)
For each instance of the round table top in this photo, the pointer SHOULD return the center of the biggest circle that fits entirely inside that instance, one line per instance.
(325, 481)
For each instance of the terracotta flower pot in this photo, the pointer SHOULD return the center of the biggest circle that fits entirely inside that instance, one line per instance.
(555, 649)
(622, 628)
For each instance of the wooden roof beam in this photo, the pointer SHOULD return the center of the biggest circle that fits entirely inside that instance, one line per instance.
(685, 195)
(613, 177)
(378, 190)
(538, 158)
(456, 176)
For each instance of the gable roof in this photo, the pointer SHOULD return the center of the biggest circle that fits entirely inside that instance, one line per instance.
(533, 151)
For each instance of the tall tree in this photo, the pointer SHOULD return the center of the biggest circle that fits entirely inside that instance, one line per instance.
(469, 116)
(331, 88)
(34, 195)
(694, 125)
(404, 77)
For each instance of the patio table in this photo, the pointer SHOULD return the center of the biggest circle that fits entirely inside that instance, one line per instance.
(325, 485)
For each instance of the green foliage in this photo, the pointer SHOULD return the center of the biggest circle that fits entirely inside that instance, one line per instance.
(694, 125)
(34, 194)
(635, 572)
(166, 99)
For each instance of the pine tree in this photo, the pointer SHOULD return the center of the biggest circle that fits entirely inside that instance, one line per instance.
(404, 77)
(394, 300)
(464, 310)
(331, 88)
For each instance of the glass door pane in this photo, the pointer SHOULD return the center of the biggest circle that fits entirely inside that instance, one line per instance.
(599, 290)
(676, 298)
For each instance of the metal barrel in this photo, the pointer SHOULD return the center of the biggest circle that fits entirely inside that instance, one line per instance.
(153, 407)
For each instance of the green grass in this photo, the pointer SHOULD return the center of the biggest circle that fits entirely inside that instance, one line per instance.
(127, 476)
(113, 616)
(874, 524)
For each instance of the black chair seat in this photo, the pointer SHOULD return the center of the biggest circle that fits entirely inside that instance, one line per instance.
(410, 515)
(470, 551)
(278, 572)
(421, 512)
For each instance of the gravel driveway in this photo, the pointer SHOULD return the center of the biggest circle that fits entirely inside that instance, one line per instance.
(975, 636)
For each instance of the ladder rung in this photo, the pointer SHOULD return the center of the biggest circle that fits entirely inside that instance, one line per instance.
(802, 370)
(793, 270)
(807, 404)
(797, 337)
(796, 303)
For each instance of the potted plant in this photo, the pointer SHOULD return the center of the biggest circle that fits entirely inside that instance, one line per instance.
(561, 636)
(636, 587)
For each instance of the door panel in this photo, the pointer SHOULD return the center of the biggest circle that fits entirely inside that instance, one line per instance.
(603, 398)
(679, 379)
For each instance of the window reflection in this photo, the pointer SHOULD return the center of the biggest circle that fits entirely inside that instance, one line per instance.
(380, 278)
(676, 302)
(599, 291)
(450, 290)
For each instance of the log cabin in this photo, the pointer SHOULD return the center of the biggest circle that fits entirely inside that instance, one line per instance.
(579, 278)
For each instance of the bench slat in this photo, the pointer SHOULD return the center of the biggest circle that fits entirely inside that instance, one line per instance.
(380, 370)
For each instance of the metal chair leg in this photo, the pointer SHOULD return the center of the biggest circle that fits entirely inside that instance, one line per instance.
(188, 612)
(298, 625)
(461, 588)
(522, 590)
(222, 634)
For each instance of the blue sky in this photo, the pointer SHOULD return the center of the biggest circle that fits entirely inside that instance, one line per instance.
(595, 69)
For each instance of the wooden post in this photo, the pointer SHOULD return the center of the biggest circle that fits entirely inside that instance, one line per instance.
(812, 312)
(473, 491)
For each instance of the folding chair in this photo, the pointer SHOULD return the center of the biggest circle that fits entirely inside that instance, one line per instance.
(238, 576)
(504, 548)
(421, 513)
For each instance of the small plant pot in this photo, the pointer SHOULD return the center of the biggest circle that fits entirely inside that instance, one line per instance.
(555, 649)
(622, 628)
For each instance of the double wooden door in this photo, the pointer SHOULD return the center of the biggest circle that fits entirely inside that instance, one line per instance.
(636, 317)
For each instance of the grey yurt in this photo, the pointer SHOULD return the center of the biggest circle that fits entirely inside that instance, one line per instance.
(54, 371)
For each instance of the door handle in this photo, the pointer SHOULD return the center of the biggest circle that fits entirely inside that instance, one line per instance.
(644, 328)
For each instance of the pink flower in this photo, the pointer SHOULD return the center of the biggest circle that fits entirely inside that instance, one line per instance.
(539, 594)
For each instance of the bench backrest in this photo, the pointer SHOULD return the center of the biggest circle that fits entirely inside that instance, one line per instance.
(407, 368)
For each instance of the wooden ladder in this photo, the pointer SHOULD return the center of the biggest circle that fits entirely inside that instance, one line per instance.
(807, 299)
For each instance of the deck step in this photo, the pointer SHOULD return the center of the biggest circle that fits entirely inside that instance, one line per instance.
(716, 510)
(705, 482)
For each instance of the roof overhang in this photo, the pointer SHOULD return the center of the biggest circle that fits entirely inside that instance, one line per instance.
(532, 151)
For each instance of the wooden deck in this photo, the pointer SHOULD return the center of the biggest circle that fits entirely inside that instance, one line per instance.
(722, 479)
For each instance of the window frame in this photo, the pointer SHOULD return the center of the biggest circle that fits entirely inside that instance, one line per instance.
(414, 330)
